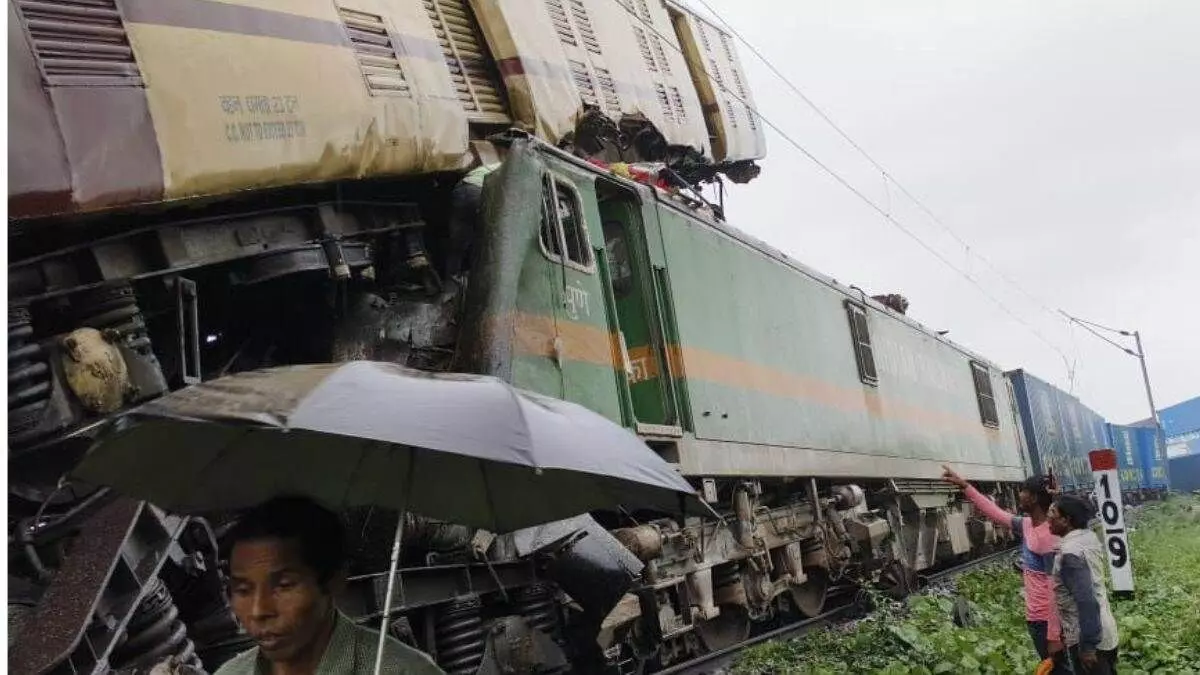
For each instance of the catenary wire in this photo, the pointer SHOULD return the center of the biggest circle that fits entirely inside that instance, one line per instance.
(1093, 324)
(854, 190)
(1087, 325)
(887, 175)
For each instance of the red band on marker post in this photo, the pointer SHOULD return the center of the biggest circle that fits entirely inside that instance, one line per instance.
(1104, 459)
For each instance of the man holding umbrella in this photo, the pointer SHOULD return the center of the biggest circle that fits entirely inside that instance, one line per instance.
(360, 433)
(286, 560)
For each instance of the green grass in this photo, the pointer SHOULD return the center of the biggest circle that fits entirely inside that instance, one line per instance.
(1159, 627)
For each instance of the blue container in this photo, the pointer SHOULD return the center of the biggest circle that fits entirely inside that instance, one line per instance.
(1127, 441)
(1096, 436)
(1184, 444)
(1058, 430)
(1154, 460)
(1181, 418)
(1181, 424)
(1082, 433)
(1185, 473)
(1037, 407)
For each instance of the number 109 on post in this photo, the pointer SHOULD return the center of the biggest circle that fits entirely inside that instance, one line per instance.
(1112, 518)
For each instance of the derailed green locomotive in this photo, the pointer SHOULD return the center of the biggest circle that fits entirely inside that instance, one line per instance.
(815, 418)
(811, 417)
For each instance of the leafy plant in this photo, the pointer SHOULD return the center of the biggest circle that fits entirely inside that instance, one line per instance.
(1159, 626)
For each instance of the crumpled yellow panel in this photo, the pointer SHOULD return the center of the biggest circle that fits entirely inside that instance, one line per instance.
(721, 84)
(234, 109)
(556, 54)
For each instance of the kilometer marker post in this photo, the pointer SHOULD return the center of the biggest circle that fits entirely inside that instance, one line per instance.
(1112, 518)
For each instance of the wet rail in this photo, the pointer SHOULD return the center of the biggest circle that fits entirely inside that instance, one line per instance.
(719, 661)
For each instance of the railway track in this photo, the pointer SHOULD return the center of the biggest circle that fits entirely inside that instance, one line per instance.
(718, 662)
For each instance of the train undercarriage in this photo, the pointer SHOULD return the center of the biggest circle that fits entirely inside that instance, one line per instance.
(146, 303)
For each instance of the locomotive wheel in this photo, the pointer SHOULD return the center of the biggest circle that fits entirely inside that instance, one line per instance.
(731, 627)
(809, 597)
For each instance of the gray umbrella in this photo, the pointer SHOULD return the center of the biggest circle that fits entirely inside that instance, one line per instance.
(462, 448)
(467, 449)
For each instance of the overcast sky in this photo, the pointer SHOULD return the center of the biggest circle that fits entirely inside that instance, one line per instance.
(1061, 139)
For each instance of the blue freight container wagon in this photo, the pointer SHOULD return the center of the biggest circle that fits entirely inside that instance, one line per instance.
(1181, 424)
(1185, 473)
(1184, 444)
(1095, 436)
(1080, 438)
(1037, 406)
(1126, 442)
(1044, 431)
(1060, 431)
(1181, 418)
(1153, 458)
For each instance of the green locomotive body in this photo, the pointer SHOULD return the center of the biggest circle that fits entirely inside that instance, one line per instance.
(752, 364)
(817, 418)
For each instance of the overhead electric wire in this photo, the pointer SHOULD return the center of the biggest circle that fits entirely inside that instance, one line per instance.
(1087, 325)
(853, 190)
(1093, 324)
(887, 175)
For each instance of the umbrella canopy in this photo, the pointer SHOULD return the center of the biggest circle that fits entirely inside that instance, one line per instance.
(467, 449)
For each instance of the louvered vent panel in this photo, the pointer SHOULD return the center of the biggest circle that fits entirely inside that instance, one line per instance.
(81, 43)
(377, 57)
(677, 102)
(643, 10)
(584, 23)
(750, 118)
(727, 48)
(664, 101)
(715, 72)
(583, 82)
(703, 36)
(608, 88)
(732, 114)
(737, 82)
(470, 66)
(644, 45)
(661, 55)
(558, 16)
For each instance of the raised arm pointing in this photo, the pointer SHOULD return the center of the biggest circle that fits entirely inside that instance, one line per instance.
(986, 506)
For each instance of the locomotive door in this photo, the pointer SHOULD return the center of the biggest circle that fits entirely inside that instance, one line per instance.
(633, 297)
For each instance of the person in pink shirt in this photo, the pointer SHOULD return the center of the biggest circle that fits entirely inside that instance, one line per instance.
(1038, 547)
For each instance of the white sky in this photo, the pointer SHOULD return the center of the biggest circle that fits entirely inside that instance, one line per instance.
(1060, 138)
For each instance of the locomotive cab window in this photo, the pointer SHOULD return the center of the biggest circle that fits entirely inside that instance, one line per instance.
(983, 392)
(860, 335)
(620, 267)
(551, 242)
(563, 228)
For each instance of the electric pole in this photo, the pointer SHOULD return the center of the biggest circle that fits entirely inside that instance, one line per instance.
(1159, 437)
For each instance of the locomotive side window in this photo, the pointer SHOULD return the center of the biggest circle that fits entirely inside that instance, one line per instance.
(863, 354)
(620, 266)
(570, 218)
(551, 242)
(563, 227)
(983, 392)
